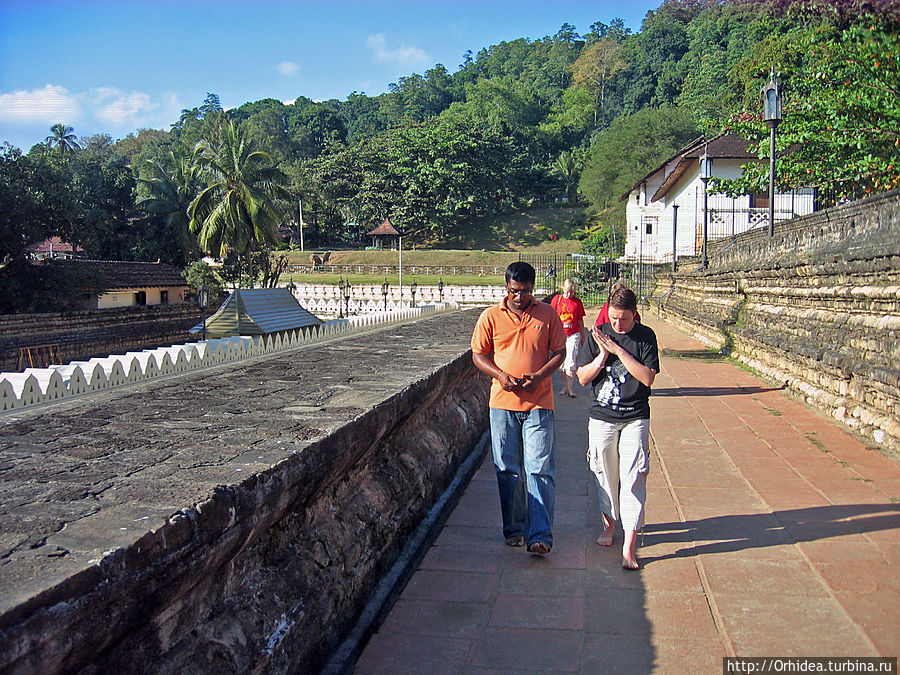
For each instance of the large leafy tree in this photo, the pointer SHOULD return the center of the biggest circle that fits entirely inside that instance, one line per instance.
(720, 37)
(36, 202)
(632, 146)
(104, 188)
(62, 138)
(656, 71)
(238, 209)
(429, 177)
(841, 126)
(597, 65)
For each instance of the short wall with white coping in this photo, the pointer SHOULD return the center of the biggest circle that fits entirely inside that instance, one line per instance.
(44, 385)
(325, 299)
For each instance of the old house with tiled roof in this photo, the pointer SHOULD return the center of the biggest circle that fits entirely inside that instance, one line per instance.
(665, 209)
(54, 247)
(136, 283)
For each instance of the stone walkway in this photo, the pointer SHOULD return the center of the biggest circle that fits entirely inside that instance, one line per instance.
(770, 532)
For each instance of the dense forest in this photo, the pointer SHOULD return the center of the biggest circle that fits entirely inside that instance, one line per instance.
(518, 123)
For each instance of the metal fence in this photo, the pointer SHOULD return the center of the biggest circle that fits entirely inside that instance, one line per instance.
(593, 275)
(391, 270)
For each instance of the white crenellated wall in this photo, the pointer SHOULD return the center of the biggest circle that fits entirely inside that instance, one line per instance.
(43, 385)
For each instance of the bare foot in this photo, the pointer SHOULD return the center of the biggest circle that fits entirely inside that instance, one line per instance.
(629, 556)
(606, 539)
(630, 564)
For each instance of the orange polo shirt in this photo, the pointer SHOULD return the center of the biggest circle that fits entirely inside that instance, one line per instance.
(519, 347)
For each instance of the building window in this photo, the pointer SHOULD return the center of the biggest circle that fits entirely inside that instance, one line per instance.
(759, 201)
(649, 222)
(140, 298)
(164, 297)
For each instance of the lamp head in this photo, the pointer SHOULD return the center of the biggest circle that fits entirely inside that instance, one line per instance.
(771, 100)
(705, 166)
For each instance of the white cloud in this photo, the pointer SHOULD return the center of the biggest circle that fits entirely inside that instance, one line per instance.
(127, 111)
(288, 67)
(401, 56)
(111, 109)
(120, 109)
(51, 104)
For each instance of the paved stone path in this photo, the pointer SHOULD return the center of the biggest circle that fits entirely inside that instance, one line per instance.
(770, 532)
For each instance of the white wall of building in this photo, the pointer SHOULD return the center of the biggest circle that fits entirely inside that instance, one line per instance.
(129, 297)
(650, 223)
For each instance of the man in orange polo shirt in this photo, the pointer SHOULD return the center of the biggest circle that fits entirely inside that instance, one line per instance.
(519, 344)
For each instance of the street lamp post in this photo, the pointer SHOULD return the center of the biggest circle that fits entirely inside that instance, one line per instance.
(705, 175)
(347, 296)
(341, 285)
(384, 292)
(412, 288)
(674, 238)
(203, 301)
(771, 97)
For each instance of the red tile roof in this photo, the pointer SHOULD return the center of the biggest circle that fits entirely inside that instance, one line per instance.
(385, 228)
(723, 146)
(121, 274)
(53, 245)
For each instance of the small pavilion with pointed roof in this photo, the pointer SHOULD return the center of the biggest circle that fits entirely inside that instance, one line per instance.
(258, 311)
(384, 232)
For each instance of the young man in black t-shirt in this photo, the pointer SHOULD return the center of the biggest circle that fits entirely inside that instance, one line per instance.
(620, 362)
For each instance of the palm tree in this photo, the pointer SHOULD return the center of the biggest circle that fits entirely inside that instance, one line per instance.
(238, 209)
(172, 189)
(63, 138)
(568, 166)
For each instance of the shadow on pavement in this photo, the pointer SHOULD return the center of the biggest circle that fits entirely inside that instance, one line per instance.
(726, 534)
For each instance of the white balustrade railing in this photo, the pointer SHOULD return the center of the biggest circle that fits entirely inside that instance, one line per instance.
(43, 385)
(326, 300)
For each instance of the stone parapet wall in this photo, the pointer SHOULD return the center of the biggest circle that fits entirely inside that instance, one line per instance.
(816, 307)
(36, 386)
(233, 519)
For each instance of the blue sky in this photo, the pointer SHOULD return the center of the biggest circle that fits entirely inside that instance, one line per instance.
(117, 66)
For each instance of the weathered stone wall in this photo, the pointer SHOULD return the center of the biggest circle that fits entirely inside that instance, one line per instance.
(817, 307)
(234, 520)
(83, 335)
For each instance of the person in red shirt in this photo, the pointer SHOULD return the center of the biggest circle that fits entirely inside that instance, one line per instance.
(571, 313)
(603, 316)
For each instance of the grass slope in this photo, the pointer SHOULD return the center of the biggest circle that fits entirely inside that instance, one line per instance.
(488, 242)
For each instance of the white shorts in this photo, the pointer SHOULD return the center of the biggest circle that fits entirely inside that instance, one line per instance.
(573, 344)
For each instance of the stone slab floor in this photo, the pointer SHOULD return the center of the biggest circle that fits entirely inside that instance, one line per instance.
(770, 532)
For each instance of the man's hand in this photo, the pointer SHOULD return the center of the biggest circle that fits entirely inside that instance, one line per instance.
(507, 381)
(529, 381)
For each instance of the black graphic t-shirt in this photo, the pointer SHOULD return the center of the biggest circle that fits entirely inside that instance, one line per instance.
(618, 395)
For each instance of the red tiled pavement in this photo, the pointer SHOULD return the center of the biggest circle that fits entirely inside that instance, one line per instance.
(770, 532)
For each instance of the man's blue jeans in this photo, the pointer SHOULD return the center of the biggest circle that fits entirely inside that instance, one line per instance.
(523, 445)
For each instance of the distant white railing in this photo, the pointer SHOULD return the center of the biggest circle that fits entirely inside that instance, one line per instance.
(42, 385)
(325, 299)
